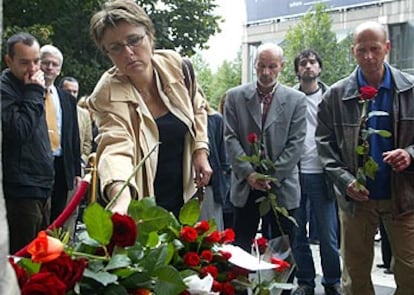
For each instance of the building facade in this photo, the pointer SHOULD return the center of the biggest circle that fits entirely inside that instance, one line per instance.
(269, 20)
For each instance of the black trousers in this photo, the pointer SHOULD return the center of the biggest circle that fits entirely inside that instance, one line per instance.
(60, 190)
(246, 221)
(26, 217)
(385, 247)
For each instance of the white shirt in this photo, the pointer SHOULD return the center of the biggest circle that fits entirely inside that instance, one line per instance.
(310, 162)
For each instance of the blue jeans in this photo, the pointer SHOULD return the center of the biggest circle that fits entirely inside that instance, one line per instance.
(323, 205)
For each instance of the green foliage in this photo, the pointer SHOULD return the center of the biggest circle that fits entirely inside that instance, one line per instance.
(99, 222)
(136, 266)
(227, 76)
(314, 31)
(190, 212)
(216, 84)
(184, 25)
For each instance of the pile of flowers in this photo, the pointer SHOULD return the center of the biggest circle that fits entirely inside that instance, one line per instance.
(148, 251)
(367, 167)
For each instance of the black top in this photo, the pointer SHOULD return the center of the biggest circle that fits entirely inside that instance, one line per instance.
(168, 184)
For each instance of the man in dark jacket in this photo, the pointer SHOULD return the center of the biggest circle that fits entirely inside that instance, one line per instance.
(27, 159)
(347, 113)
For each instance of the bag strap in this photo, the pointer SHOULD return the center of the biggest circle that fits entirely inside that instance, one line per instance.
(189, 76)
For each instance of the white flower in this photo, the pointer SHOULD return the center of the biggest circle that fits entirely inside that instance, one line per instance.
(197, 286)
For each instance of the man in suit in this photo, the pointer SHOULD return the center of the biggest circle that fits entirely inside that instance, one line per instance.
(27, 160)
(67, 154)
(276, 113)
(71, 85)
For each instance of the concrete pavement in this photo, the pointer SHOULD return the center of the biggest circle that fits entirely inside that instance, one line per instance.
(384, 283)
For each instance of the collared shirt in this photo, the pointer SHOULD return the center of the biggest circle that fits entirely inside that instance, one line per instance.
(380, 187)
(58, 109)
(265, 100)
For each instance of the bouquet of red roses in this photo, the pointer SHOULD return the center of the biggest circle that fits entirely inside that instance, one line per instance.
(148, 251)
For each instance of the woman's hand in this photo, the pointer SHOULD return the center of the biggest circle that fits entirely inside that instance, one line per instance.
(122, 203)
(202, 168)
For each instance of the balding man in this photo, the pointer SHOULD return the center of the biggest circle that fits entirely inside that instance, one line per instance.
(276, 113)
(389, 196)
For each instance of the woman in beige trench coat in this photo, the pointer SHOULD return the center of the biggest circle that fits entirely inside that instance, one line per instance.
(140, 101)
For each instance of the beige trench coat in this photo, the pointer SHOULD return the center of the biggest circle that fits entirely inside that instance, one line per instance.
(127, 130)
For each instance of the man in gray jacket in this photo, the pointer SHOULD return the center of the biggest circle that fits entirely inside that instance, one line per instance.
(390, 194)
(276, 114)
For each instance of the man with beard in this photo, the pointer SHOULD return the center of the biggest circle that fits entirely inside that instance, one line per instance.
(315, 190)
(277, 115)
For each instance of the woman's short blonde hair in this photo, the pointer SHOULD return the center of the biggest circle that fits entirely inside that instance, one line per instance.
(114, 12)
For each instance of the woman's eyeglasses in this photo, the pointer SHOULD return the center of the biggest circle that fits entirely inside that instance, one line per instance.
(132, 42)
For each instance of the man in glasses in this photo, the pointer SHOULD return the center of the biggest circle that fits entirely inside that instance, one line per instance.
(67, 150)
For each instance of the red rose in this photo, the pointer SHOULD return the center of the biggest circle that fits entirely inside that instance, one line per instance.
(282, 265)
(367, 92)
(226, 255)
(206, 255)
(227, 236)
(65, 268)
(189, 234)
(202, 226)
(261, 244)
(209, 269)
(125, 230)
(228, 289)
(214, 237)
(252, 138)
(21, 274)
(217, 286)
(191, 259)
(44, 283)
